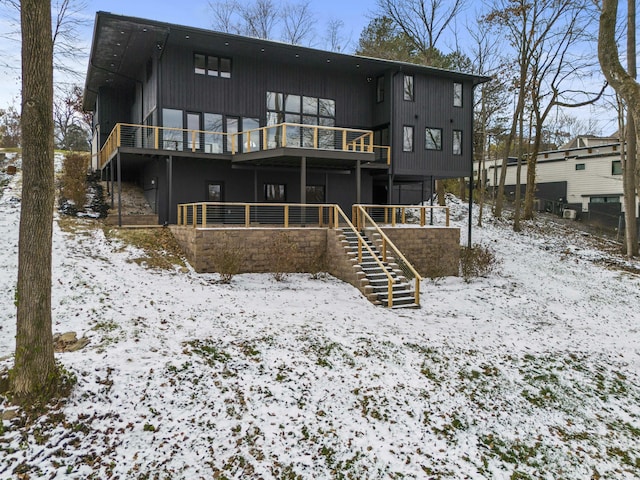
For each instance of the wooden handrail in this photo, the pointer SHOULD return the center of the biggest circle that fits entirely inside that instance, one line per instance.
(403, 208)
(361, 241)
(386, 242)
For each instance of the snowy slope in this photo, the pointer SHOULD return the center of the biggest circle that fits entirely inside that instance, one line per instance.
(530, 373)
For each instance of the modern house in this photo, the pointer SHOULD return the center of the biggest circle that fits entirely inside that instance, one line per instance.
(584, 176)
(193, 115)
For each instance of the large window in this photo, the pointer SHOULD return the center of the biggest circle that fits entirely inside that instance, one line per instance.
(298, 109)
(605, 199)
(172, 135)
(433, 138)
(616, 167)
(275, 192)
(407, 138)
(212, 65)
(408, 88)
(457, 94)
(457, 142)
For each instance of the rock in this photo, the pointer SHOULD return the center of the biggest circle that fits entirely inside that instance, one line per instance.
(10, 414)
(68, 342)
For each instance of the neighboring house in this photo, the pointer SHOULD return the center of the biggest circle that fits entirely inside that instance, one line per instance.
(194, 115)
(584, 175)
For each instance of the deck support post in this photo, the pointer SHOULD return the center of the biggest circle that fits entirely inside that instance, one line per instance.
(303, 180)
(119, 189)
(358, 183)
(170, 187)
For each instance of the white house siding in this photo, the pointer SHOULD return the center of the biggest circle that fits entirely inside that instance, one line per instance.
(560, 165)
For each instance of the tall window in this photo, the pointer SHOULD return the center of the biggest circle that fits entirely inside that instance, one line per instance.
(214, 191)
(457, 142)
(433, 139)
(457, 94)
(212, 141)
(172, 139)
(407, 138)
(408, 88)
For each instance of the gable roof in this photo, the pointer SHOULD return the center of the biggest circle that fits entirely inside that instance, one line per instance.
(120, 43)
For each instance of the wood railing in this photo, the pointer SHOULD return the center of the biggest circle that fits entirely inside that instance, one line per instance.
(283, 135)
(363, 220)
(402, 214)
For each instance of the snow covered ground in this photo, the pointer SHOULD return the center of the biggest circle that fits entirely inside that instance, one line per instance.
(530, 373)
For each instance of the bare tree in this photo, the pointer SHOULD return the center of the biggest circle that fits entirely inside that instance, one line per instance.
(336, 40)
(628, 89)
(422, 21)
(297, 22)
(259, 18)
(35, 375)
(223, 15)
(72, 126)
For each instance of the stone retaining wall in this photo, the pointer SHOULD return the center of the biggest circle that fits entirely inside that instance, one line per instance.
(433, 251)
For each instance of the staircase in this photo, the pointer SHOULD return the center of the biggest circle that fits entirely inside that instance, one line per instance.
(376, 279)
(136, 210)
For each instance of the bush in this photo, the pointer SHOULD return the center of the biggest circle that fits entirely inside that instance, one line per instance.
(282, 251)
(227, 259)
(74, 182)
(477, 261)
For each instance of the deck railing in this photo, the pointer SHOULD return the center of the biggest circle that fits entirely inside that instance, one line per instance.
(271, 137)
(403, 214)
(363, 220)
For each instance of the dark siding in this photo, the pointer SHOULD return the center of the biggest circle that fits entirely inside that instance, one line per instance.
(433, 107)
(114, 106)
(245, 93)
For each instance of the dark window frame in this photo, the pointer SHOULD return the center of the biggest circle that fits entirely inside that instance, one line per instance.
(223, 65)
(283, 194)
(458, 96)
(380, 89)
(616, 167)
(219, 183)
(408, 89)
(453, 143)
(404, 138)
(581, 166)
(426, 136)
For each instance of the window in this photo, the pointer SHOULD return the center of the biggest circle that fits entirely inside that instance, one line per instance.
(433, 139)
(407, 138)
(193, 133)
(284, 107)
(213, 142)
(251, 139)
(214, 192)
(172, 139)
(199, 62)
(580, 166)
(380, 89)
(212, 65)
(457, 94)
(315, 193)
(275, 192)
(457, 142)
(616, 167)
(408, 88)
(604, 199)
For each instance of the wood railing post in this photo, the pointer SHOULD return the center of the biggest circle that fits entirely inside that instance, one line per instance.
(359, 249)
(417, 291)
(204, 215)
(320, 214)
(404, 218)
(247, 215)
(389, 293)
(386, 215)
(393, 216)
(118, 135)
(156, 137)
(344, 140)
(284, 134)
(286, 216)
(447, 210)
(264, 139)
(315, 137)
(370, 142)
(194, 215)
(180, 214)
(422, 216)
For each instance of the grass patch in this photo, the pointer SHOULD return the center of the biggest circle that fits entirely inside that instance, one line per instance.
(158, 245)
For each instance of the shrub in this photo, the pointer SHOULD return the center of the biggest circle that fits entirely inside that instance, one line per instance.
(74, 182)
(477, 261)
(227, 258)
(282, 251)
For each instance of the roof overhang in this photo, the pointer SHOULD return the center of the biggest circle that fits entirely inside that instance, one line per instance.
(121, 43)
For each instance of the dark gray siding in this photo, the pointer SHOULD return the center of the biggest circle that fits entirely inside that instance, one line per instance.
(114, 106)
(245, 93)
(432, 107)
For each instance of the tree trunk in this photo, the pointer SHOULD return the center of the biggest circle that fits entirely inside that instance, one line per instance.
(625, 85)
(34, 375)
(629, 166)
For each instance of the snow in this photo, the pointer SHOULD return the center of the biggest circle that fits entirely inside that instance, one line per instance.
(531, 372)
